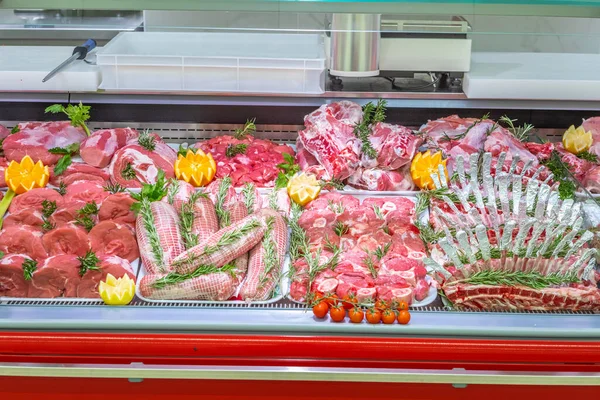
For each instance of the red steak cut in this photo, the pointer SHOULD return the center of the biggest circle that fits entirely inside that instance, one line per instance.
(87, 192)
(395, 145)
(350, 283)
(33, 199)
(3, 165)
(12, 279)
(329, 137)
(30, 216)
(58, 276)
(118, 267)
(35, 139)
(67, 213)
(144, 163)
(99, 148)
(23, 240)
(4, 131)
(110, 238)
(66, 239)
(79, 172)
(117, 207)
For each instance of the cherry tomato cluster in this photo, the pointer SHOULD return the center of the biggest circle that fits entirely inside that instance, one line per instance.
(338, 309)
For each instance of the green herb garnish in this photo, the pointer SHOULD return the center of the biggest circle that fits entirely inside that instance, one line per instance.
(587, 156)
(235, 149)
(147, 141)
(332, 183)
(288, 169)
(88, 263)
(173, 278)
(150, 192)
(519, 132)
(114, 188)
(534, 280)
(371, 115)
(29, 267)
(248, 194)
(15, 129)
(48, 208)
(128, 172)
(62, 189)
(144, 209)
(89, 209)
(223, 215)
(248, 129)
(78, 114)
(186, 221)
(340, 229)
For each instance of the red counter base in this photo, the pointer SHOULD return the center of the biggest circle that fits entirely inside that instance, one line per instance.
(116, 389)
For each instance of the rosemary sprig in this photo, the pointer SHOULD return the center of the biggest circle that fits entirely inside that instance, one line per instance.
(89, 209)
(223, 215)
(84, 215)
(48, 208)
(86, 222)
(47, 225)
(248, 129)
(231, 237)
(173, 278)
(332, 183)
(427, 234)
(336, 206)
(186, 221)
(273, 200)
(150, 226)
(29, 267)
(235, 149)
(113, 188)
(586, 155)
(562, 174)
(61, 189)
(340, 229)
(462, 135)
(88, 263)
(378, 212)
(370, 263)
(172, 189)
(298, 239)
(147, 141)
(336, 252)
(519, 132)
(271, 262)
(422, 204)
(128, 172)
(248, 194)
(381, 251)
(530, 279)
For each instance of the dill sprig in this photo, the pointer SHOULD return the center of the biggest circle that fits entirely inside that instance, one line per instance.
(533, 280)
(61, 189)
(235, 149)
(88, 263)
(128, 172)
(29, 267)
(340, 229)
(248, 194)
(150, 226)
(147, 141)
(248, 129)
(173, 278)
(223, 215)
(519, 132)
(113, 188)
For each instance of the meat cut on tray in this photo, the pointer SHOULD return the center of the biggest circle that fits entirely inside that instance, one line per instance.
(510, 243)
(369, 250)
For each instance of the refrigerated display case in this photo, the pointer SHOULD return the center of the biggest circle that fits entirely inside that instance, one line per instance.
(532, 61)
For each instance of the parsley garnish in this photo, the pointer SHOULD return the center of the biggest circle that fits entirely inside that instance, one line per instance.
(67, 152)
(150, 192)
(288, 169)
(78, 114)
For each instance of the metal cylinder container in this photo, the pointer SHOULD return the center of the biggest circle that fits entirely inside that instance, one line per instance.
(355, 45)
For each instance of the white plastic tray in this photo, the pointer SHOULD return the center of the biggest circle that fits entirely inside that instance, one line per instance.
(135, 265)
(424, 217)
(277, 295)
(214, 62)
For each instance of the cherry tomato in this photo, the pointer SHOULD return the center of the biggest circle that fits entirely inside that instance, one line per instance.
(388, 316)
(381, 305)
(373, 316)
(337, 313)
(356, 315)
(349, 301)
(331, 299)
(402, 306)
(321, 309)
(403, 317)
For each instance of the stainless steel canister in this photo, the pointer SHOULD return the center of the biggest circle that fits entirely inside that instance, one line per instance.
(355, 44)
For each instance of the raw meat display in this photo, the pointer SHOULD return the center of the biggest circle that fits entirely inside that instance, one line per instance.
(30, 216)
(256, 164)
(98, 149)
(112, 239)
(330, 147)
(79, 172)
(23, 240)
(33, 199)
(35, 139)
(117, 207)
(66, 239)
(370, 250)
(86, 192)
(87, 286)
(530, 257)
